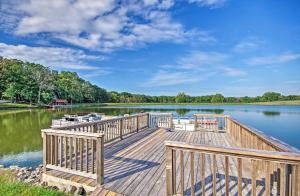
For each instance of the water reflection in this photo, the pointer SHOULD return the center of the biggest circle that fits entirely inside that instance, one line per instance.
(271, 113)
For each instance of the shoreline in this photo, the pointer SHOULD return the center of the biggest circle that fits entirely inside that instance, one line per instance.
(16, 106)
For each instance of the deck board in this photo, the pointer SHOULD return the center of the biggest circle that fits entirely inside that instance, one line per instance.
(146, 174)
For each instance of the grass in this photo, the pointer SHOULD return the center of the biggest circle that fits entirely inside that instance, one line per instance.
(16, 106)
(4, 106)
(296, 102)
(9, 186)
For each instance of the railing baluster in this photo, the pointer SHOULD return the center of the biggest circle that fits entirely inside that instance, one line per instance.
(192, 174)
(214, 173)
(76, 150)
(268, 180)
(240, 176)
(282, 179)
(226, 176)
(61, 151)
(203, 173)
(66, 152)
(253, 180)
(81, 153)
(169, 172)
(181, 172)
(87, 156)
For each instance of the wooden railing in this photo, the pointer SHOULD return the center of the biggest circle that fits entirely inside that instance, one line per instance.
(164, 120)
(248, 137)
(73, 152)
(212, 122)
(218, 170)
(114, 128)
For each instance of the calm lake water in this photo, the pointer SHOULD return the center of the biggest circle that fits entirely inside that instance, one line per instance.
(21, 144)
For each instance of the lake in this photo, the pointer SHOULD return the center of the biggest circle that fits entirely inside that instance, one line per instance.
(21, 143)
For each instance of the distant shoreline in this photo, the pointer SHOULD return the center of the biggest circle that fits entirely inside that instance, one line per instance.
(4, 106)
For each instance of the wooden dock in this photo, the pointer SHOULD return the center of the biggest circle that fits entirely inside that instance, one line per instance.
(143, 155)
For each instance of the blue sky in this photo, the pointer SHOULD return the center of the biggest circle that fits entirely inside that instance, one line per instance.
(161, 47)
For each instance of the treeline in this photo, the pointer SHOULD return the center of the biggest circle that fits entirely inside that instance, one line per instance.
(34, 83)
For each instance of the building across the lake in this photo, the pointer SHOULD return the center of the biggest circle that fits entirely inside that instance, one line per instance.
(58, 102)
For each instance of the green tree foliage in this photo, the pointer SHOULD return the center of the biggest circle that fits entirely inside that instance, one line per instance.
(271, 96)
(182, 98)
(217, 98)
(34, 83)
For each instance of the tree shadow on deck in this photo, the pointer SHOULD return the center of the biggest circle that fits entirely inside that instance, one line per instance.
(221, 186)
(117, 146)
(124, 167)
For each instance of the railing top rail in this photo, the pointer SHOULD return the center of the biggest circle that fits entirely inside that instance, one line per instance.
(72, 133)
(161, 113)
(214, 115)
(99, 121)
(287, 157)
(277, 144)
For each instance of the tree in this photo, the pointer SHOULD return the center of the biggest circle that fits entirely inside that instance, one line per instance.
(181, 98)
(271, 96)
(217, 98)
(42, 76)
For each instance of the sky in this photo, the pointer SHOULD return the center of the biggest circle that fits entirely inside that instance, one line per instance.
(161, 47)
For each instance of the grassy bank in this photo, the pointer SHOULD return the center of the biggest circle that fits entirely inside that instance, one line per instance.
(16, 106)
(297, 102)
(9, 186)
(4, 106)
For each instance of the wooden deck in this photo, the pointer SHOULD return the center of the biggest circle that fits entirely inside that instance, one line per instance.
(136, 165)
(213, 159)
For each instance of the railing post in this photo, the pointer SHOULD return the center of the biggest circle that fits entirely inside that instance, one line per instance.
(195, 124)
(121, 128)
(100, 160)
(170, 177)
(137, 123)
(44, 135)
(148, 120)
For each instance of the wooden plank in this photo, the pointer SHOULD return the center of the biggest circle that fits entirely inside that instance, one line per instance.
(239, 169)
(253, 180)
(192, 174)
(169, 172)
(203, 173)
(214, 175)
(226, 176)
(282, 179)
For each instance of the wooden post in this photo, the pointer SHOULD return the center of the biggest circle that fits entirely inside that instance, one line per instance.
(169, 171)
(44, 151)
(148, 120)
(137, 123)
(121, 128)
(100, 160)
(195, 124)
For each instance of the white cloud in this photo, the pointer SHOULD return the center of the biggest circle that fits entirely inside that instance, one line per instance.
(104, 25)
(209, 3)
(281, 58)
(247, 45)
(200, 60)
(169, 78)
(193, 67)
(62, 58)
(292, 82)
(229, 71)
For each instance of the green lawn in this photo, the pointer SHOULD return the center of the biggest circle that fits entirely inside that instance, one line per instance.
(9, 186)
(15, 105)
